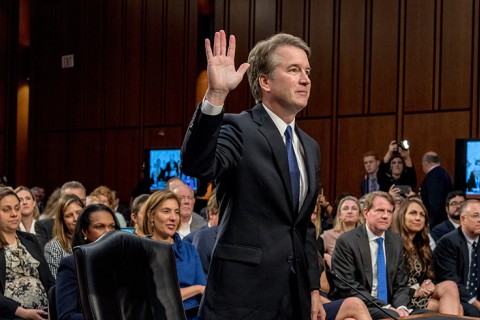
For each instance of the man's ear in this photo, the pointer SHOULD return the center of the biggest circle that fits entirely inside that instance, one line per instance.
(263, 82)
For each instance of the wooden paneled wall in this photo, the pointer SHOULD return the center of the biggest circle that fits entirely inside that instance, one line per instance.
(132, 87)
(8, 80)
(382, 70)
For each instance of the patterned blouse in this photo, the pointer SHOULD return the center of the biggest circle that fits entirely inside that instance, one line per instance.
(54, 252)
(22, 277)
(414, 275)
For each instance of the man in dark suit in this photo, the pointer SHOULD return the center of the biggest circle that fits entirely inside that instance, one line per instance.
(473, 183)
(453, 202)
(267, 172)
(356, 259)
(457, 258)
(435, 187)
(370, 180)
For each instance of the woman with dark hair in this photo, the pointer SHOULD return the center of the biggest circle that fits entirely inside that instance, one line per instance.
(161, 222)
(93, 222)
(66, 215)
(24, 273)
(411, 223)
(138, 213)
(28, 208)
(396, 168)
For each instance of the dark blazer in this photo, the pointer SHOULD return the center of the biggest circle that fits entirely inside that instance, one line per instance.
(435, 187)
(451, 261)
(261, 238)
(66, 289)
(352, 261)
(7, 305)
(471, 183)
(44, 231)
(441, 229)
(204, 241)
(385, 179)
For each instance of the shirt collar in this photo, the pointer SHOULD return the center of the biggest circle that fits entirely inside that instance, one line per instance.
(279, 123)
(372, 236)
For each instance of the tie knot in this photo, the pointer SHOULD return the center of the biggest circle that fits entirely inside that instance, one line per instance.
(379, 241)
(288, 132)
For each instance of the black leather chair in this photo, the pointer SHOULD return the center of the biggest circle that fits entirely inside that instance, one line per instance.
(123, 276)
(52, 307)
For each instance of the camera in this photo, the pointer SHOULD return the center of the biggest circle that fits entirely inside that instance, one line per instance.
(404, 144)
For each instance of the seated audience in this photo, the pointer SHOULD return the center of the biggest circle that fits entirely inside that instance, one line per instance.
(24, 275)
(68, 208)
(105, 195)
(350, 308)
(411, 223)
(44, 228)
(204, 239)
(457, 257)
(138, 213)
(370, 258)
(189, 220)
(28, 208)
(94, 221)
(396, 168)
(347, 218)
(161, 222)
(453, 202)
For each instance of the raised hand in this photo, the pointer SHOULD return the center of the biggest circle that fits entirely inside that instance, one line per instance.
(222, 75)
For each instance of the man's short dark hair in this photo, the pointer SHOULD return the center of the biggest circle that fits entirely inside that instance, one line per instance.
(453, 194)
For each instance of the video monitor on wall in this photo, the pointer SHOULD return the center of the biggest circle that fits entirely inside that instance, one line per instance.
(163, 164)
(467, 166)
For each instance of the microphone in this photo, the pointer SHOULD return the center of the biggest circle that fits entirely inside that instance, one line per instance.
(333, 274)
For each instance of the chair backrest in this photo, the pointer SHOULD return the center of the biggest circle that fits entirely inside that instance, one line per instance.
(52, 306)
(124, 276)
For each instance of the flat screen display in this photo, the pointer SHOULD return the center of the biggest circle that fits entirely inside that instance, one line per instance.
(163, 164)
(472, 174)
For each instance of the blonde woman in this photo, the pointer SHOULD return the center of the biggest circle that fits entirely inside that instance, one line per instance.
(348, 217)
(28, 208)
(160, 223)
(66, 214)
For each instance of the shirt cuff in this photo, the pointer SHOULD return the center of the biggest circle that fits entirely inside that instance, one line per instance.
(472, 300)
(405, 308)
(209, 109)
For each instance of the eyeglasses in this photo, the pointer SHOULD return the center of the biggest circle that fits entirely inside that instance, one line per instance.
(475, 216)
(190, 198)
(455, 204)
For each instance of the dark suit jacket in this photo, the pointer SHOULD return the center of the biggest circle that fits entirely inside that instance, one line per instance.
(471, 183)
(451, 261)
(7, 305)
(44, 231)
(204, 241)
(261, 238)
(435, 187)
(352, 261)
(66, 289)
(441, 229)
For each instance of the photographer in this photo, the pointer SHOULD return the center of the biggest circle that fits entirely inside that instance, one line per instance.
(397, 167)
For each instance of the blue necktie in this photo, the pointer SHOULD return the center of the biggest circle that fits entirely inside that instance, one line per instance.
(473, 272)
(293, 167)
(382, 291)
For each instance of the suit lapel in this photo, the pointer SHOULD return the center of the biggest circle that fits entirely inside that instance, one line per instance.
(390, 253)
(309, 162)
(365, 254)
(267, 128)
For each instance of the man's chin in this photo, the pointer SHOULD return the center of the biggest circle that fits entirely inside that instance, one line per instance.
(456, 218)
